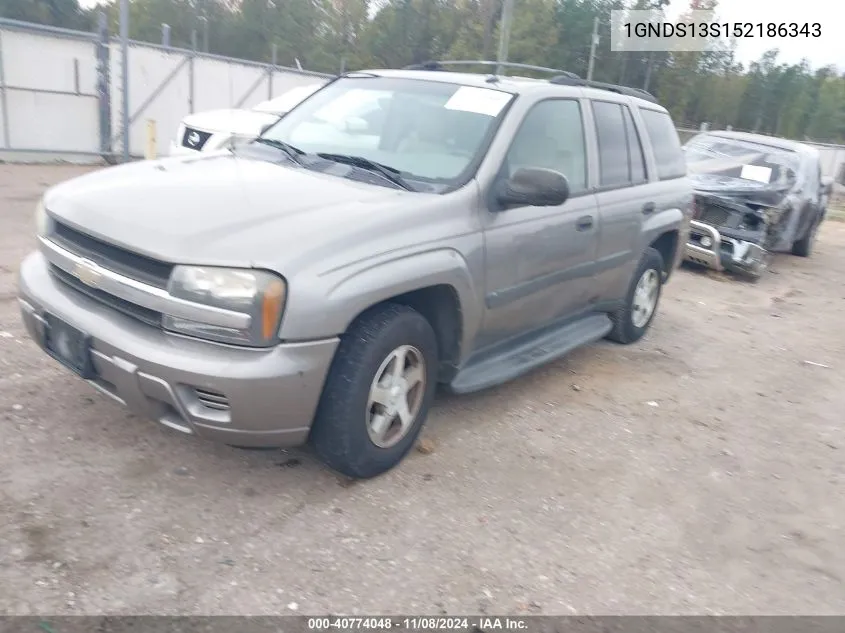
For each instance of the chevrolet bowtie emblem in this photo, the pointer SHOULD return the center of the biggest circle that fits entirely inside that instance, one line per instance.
(88, 273)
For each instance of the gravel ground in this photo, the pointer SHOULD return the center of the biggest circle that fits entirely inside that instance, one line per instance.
(698, 471)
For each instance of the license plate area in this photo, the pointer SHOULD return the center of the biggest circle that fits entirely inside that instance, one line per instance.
(68, 345)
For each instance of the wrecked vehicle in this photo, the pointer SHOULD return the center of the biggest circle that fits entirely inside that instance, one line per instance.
(755, 195)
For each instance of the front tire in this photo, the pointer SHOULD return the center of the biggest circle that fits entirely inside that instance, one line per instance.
(632, 320)
(378, 392)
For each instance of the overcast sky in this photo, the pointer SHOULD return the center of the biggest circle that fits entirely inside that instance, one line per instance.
(828, 49)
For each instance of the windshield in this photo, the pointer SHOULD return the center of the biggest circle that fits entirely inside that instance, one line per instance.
(286, 101)
(428, 131)
(741, 159)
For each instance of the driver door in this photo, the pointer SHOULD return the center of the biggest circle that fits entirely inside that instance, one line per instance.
(539, 259)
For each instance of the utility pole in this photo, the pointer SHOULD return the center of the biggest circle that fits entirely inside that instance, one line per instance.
(204, 34)
(593, 44)
(124, 75)
(648, 71)
(659, 5)
(504, 38)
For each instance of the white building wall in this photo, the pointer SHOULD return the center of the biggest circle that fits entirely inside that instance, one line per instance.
(49, 104)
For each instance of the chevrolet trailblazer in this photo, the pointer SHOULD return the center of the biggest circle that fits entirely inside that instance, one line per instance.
(396, 230)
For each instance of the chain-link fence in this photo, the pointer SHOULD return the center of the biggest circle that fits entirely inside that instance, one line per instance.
(61, 91)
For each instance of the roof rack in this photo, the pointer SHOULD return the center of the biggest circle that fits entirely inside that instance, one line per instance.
(565, 80)
(441, 65)
(562, 77)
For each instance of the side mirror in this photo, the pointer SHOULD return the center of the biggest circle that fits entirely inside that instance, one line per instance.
(827, 185)
(534, 187)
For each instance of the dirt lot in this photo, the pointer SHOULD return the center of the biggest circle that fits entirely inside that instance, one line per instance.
(699, 471)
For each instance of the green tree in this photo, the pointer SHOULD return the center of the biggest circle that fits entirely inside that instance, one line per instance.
(64, 13)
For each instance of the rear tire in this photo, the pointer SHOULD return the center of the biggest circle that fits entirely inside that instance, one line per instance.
(387, 356)
(633, 319)
(804, 246)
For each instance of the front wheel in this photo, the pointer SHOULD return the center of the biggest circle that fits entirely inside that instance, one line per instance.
(632, 320)
(377, 393)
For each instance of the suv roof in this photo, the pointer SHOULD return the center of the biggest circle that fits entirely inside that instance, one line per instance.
(561, 81)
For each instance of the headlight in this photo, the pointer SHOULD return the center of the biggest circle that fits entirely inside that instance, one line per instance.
(257, 293)
(41, 220)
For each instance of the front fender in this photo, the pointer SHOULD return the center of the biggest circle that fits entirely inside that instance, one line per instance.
(325, 305)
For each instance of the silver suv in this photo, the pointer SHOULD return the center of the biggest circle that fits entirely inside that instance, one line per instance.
(396, 230)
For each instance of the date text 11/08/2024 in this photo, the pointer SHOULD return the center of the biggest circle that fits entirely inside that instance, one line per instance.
(422, 623)
(722, 29)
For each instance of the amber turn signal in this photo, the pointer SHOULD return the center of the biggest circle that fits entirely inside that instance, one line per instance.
(271, 308)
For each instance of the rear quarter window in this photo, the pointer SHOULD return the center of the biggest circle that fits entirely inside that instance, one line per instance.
(665, 144)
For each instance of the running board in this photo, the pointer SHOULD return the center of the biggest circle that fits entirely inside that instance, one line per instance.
(529, 353)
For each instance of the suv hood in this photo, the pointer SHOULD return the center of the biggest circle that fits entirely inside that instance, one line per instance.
(240, 122)
(223, 209)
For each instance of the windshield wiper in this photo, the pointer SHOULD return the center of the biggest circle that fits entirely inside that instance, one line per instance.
(389, 173)
(293, 152)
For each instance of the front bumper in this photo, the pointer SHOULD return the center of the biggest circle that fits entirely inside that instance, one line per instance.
(724, 253)
(238, 396)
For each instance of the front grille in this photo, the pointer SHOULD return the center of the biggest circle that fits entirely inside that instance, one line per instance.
(715, 216)
(132, 265)
(212, 399)
(145, 315)
(195, 139)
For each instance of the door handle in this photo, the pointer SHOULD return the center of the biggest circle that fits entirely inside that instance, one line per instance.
(649, 208)
(584, 222)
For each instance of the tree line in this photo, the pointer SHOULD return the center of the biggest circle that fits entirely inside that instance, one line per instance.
(767, 96)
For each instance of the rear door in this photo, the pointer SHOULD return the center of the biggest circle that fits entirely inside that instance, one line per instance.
(625, 197)
(671, 190)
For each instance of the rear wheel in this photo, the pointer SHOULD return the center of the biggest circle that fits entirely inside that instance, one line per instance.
(377, 393)
(632, 320)
(804, 246)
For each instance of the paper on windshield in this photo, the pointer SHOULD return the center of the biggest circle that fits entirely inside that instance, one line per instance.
(478, 100)
(756, 172)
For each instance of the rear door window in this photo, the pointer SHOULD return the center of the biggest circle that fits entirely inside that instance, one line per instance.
(614, 170)
(635, 148)
(665, 143)
(614, 167)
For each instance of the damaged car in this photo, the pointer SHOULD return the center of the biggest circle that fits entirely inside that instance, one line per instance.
(754, 195)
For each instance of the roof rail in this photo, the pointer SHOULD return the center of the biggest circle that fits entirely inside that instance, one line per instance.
(441, 65)
(565, 80)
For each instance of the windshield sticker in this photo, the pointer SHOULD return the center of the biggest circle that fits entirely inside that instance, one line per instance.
(478, 100)
(756, 172)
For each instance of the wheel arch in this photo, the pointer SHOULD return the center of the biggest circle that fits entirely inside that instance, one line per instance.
(667, 245)
(438, 284)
